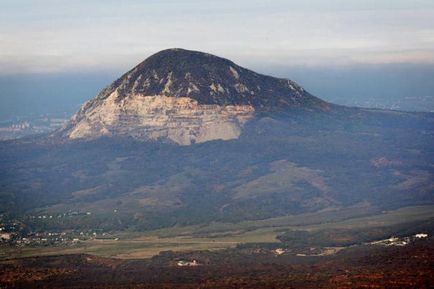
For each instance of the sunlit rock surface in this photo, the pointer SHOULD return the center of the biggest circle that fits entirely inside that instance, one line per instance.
(180, 120)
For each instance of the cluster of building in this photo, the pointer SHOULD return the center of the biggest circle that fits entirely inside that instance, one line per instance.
(52, 238)
(61, 215)
(43, 238)
(12, 233)
(184, 263)
(312, 251)
(19, 127)
(399, 241)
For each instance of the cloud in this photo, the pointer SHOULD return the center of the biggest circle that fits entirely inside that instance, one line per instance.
(55, 36)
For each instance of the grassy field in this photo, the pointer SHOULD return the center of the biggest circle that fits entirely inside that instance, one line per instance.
(217, 236)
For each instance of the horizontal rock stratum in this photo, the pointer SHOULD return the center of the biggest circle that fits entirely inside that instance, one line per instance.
(185, 97)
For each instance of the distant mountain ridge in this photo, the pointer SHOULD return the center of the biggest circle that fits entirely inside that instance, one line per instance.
(185, 97)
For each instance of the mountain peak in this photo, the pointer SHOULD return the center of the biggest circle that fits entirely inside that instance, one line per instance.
(210, 79)
(179, 56)
(182, 60)
(185, 97)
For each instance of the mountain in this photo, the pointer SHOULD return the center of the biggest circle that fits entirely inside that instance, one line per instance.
(187, 138)
(184, 97)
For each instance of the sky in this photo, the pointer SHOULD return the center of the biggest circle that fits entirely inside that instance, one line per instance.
(56, 54)
(52, 36)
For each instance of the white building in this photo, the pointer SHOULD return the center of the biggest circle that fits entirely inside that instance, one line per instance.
(5, 236)
(183, 263)
(279, 251)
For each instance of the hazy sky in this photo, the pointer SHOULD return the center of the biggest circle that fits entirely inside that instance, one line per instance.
(55, 35)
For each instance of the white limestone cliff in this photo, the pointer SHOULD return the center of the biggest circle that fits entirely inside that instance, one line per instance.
(179, 120)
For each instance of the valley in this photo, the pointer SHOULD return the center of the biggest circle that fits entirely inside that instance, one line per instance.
(218, 236)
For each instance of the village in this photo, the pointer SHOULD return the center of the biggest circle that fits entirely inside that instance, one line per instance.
(14, 232)
(399, 241)
(26, 125)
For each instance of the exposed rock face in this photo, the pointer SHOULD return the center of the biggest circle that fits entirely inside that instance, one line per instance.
(185, 97)
(177, 119)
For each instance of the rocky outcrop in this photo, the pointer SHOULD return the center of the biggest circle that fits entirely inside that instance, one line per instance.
(179, 120)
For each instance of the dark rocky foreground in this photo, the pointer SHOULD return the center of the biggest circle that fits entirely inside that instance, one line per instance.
(358, 267)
